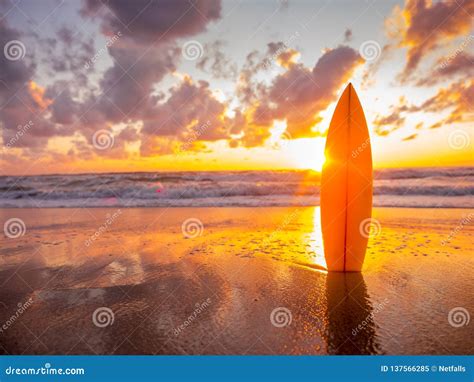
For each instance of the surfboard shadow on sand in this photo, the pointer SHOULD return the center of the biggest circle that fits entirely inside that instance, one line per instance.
(351, 328)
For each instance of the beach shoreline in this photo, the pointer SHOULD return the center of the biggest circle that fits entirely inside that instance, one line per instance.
(231, 280)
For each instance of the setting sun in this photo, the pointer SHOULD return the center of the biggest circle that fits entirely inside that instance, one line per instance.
(307, 153)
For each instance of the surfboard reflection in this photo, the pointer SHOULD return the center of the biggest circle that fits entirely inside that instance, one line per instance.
(351, 328)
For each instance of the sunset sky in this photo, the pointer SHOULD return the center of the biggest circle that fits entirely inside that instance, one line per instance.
(210, 85)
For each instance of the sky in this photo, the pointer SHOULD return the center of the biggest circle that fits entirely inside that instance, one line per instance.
(144, 85)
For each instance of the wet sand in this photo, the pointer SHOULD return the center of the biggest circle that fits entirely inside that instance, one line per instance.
(250, 282)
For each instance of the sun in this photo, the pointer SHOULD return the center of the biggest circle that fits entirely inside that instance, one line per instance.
(307, 153)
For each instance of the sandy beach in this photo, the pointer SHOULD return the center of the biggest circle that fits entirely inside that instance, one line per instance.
(232, 281)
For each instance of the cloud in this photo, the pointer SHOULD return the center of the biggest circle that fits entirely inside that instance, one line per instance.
(384, 125)
(457, 100)
(21, 99)
(300, 94)
(144, 50)
(428, 25)
(190, 112)
(297, 95)
(215, 62)
(153, 21)
(145, 53)
(448, 67)
(410, 137)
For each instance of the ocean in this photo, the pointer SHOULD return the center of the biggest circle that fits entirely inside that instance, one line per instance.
(418, 187)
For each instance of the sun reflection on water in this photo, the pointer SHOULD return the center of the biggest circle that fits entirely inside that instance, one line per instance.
(316, 239)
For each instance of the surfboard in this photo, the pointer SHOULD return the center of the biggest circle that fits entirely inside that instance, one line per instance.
(346, 186)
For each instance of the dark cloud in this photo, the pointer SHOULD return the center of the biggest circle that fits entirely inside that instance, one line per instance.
(429, 25)
(144, 53)
(348, 35)
(215, 62)
(22, 102)
(151, 21)
(64, 108)
(190, 112)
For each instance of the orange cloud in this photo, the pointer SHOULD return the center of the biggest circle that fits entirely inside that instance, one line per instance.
(458, 98)
(37, 93)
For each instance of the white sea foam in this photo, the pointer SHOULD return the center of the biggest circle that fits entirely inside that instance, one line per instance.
(440, 187)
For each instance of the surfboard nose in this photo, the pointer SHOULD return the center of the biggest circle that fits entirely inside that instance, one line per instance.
(346, 185)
